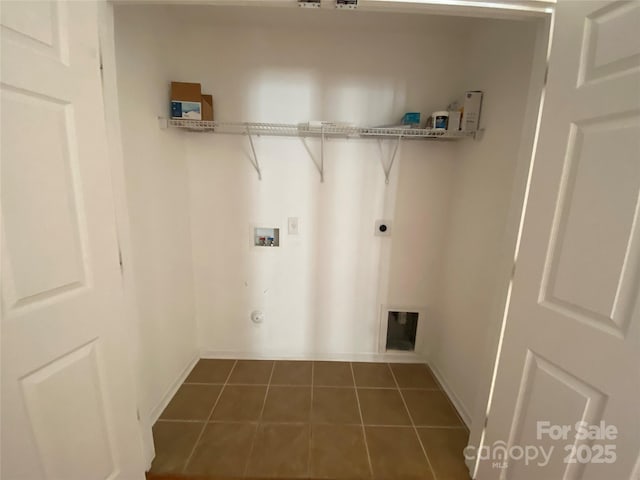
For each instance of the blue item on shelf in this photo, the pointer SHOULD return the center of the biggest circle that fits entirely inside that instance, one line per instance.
(411, 118)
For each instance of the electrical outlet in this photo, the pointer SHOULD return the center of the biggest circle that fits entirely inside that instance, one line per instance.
(293, 226)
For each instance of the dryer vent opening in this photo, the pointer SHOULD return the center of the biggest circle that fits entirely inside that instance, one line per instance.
(401, 330)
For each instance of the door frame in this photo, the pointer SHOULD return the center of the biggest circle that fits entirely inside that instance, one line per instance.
(106, 32)
(512, 232)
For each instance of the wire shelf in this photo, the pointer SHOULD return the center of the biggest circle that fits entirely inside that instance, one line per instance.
(322, 131)
(329, 130)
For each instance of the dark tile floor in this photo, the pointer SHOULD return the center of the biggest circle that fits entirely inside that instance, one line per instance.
(330, 420)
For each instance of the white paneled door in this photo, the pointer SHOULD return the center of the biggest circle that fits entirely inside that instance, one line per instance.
(566, 403)
(68, 404)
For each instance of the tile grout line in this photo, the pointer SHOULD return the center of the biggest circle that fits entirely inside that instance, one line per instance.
(244, 422)
(255, 434)
(180, 420)
(206, 422)
(413, 425)
(364, 432)
(436, 389)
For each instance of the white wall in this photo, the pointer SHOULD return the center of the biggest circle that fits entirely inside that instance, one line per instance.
(321, 291)
(158, 206)
(499, 63)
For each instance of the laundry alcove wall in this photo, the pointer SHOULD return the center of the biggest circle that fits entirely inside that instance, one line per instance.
(194, 199)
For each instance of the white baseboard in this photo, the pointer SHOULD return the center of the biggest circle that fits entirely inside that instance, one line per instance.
(389, 357)
(171, 391)
(462, 411)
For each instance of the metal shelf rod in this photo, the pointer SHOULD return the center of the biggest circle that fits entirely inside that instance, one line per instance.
(303, 130)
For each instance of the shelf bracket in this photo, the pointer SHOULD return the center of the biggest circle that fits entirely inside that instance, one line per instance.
(387, 167)
(319, 165)
(254, 159)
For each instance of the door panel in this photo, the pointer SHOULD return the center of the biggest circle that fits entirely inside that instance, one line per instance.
(608, 47)
(48, 225)
(42, 28)
(68, 399)
(543, 386)
(571, 345)
(71, 433)
(596, 213)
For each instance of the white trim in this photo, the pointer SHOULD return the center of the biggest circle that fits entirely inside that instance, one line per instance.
(514, 9)
(505, 266)
(390, 357)
(473, 8)
(459, 406)
(109, 83)
(172, 389)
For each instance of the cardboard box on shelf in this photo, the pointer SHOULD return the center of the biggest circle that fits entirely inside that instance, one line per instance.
(186, 100)
(472, 108)
(207, 107)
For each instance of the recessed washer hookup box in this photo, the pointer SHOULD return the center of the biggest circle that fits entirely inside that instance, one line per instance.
(186, 100)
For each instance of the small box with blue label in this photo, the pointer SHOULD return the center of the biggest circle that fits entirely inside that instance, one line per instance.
(411, 118)
(190, 110)
(186, 100)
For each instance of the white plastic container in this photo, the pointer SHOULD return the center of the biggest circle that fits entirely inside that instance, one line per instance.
(453, 125)
(440, 120)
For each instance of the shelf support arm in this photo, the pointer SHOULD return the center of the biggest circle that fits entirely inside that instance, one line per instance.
(322, 154)
(254, 159)
(387, 167)
(319, 166)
